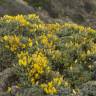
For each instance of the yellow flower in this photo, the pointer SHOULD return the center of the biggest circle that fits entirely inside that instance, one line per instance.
(50, 84)
(33, 81)
(23, 58)
(58, 80)
(36, 76)
(48, 69)
(29, 42)
(46, 90)
(23, 45)
(66, 83)
(22, 20)
(9, 89)
(5, 37)
(54, 90)
(35, 66)
(88, 52)
(50, 87)
(33, 16)
(13, 42)
(43, 85)
(23, 61)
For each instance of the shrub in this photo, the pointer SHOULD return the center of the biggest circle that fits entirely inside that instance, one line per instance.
(50, 56)
(34, 3)
(88, 89)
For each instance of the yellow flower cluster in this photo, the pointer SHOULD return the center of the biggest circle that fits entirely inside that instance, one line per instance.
(23, 20)
(33, 17)
(53, 27)
(29, 43)
(13, 42)
(18, 18)
(37, 27)
(50, 87)
(39, 65)
(48, 40)
(24, 59)
(78, 27)
(45, 41)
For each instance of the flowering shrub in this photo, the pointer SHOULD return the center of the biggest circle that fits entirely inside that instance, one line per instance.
(50, 56)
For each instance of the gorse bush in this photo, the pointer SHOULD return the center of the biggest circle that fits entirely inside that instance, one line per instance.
(49, 56)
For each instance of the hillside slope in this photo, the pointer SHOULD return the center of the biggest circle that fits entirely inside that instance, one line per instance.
(14, 7)
(78, 11)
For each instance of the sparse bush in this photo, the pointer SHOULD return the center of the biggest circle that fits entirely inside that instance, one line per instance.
(34, 3)
(88, 89)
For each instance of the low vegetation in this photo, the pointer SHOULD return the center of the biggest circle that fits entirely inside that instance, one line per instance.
(50, 58)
